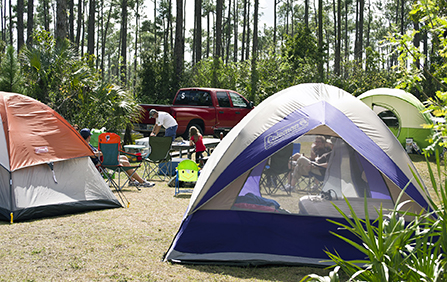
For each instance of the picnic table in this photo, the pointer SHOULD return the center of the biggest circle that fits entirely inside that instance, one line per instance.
(210, 143)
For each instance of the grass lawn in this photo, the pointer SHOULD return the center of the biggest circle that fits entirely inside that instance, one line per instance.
(125, 244)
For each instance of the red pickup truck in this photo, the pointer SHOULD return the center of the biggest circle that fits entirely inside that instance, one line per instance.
(211, 110)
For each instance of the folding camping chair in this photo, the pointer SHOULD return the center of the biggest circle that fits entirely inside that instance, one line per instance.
(276, 172)
(158, 162)
(187, 173)
(109, 145)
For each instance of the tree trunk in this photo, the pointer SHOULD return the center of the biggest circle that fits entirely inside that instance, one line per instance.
(358, 47)
(337, 31)
(61, 21)
(104, 38)
(219, 5)
(3, 19)
(228, 30)
(320, 39)
(70, 20)
(254, 55)
(155, 22)
(10, 23)
(179, 43)
(218, 45)
(123, 65)
(235, 26)
(208, 30)
(274, 23)
(287, 17)
(20, 27)
(79, 22)
(137, 33)
(91, 28)
(306, 13)
(244, 30)
(46, 12)
(247, 50)
(171, 38)
(30, 23)
(197, 31)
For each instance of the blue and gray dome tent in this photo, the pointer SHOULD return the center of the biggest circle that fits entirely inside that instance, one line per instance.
(232, 219)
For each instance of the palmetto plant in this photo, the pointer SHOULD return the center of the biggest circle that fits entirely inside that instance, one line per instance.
(396, 250)
(55, 75)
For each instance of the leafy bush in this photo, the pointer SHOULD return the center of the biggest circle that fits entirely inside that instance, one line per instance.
(395, 250)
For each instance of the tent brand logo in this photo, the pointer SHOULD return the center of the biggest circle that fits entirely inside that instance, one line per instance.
(41, 150)
(284, 132)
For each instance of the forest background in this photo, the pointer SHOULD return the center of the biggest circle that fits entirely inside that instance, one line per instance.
(93, 61)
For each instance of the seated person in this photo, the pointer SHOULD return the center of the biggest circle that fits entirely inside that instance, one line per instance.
(319, 147)
(135, 180)
(303, 166)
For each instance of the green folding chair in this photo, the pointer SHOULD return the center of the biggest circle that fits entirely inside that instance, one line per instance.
(109, 145)
(187, 172)
(158, 163)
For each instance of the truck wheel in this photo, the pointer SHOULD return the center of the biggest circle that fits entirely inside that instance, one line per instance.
(185, 135)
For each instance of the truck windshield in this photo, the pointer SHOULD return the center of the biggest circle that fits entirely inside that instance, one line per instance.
(193, 98)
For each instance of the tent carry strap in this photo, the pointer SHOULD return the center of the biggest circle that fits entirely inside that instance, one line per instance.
(51, 165)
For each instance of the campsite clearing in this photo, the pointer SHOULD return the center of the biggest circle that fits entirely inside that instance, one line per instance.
(124, 244)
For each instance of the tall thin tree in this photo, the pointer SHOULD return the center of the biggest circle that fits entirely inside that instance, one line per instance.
(197, 31)
(179, 49)
(30, 23)
(70, 20)
(123, 63)
(244, 30)
(235, 30)
(91, 28)
(20, 27)
(254, 55)
(61, 21)
(218, 40)
(320, 40)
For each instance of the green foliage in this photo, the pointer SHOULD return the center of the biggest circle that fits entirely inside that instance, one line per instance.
(156, 80)
(301, 49)
(358, 80)
(395, 250)
(56, 76)
(427, 73)
(10, 76)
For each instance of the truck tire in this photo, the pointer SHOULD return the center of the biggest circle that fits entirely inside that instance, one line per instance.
(185, 135)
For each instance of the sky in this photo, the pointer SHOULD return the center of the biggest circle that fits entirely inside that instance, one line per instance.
(265, 7)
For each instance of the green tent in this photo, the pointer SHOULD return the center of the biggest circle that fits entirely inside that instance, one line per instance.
(402, 112)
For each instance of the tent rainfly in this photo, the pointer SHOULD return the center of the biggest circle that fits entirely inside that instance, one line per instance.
(233, 219)
(45, 168)
(402, 112)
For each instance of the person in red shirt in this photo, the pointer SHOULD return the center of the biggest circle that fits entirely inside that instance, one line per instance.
(197, 139)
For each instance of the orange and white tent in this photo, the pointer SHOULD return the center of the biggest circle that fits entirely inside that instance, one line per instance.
(45, 168)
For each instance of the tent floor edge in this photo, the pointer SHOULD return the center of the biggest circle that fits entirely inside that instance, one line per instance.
(60, 209)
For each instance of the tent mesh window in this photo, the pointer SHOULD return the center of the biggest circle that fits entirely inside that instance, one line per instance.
(292, 181)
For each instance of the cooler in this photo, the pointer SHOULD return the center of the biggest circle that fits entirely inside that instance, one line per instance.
(171, 166)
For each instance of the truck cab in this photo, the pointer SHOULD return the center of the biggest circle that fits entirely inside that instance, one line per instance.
(211, 110)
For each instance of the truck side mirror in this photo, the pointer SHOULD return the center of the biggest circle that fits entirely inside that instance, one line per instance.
(251, 104)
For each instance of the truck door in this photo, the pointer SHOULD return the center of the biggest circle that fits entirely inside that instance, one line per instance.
(241, 107)
(224, 110)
